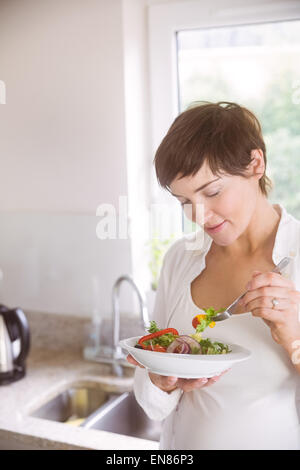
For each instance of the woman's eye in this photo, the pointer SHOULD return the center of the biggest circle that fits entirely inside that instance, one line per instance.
(210, 195)
(183, 203)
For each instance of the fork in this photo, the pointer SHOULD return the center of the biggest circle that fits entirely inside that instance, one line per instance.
(229, 311)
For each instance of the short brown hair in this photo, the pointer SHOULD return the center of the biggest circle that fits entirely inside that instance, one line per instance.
(224, 135)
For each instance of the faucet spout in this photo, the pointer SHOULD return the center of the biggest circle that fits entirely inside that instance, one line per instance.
(144, 317)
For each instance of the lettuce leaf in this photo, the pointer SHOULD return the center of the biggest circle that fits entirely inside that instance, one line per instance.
(204, 322)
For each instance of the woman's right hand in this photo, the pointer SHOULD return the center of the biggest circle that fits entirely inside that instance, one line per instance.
(168, 384)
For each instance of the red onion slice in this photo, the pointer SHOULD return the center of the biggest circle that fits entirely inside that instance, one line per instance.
(191, 341)
(179, 346)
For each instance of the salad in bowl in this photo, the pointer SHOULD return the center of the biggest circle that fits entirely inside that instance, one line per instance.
(170, 341)
(167, 352)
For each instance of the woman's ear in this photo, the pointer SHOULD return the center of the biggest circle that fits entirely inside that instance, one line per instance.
(257, 167)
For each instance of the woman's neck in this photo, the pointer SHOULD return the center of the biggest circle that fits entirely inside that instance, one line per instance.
(259, 237)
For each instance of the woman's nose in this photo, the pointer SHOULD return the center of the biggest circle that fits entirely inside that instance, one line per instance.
(200, 215)
(207, 218)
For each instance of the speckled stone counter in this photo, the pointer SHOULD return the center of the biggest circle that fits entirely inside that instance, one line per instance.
(55, 361)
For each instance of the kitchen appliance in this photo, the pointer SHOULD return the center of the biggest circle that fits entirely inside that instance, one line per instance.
(14, 344)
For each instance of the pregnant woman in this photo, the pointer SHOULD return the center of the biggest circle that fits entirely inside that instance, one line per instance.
(214, 157)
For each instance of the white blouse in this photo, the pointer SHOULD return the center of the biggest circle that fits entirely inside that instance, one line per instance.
(256, 405)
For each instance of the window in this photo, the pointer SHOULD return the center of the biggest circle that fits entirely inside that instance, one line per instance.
(257, 66)
(244, 52)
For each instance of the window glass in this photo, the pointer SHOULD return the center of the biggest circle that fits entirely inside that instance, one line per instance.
(257, 66)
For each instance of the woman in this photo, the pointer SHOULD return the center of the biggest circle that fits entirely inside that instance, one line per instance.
(215, 156)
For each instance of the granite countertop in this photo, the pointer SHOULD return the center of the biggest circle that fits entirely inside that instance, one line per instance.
(50, 368)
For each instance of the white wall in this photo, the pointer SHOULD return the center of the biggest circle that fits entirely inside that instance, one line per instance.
(68, 144)
(62, 129)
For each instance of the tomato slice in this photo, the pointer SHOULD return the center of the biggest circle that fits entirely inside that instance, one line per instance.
(159, 348)
(197, 319)
(156, 348)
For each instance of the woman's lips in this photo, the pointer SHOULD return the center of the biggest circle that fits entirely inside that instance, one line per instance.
(217, 228)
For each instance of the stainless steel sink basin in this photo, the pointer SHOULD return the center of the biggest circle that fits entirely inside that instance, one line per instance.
(123, 415)
(75, 403)
(99, 406)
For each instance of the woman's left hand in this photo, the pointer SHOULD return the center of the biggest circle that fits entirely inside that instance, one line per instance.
(283, 319)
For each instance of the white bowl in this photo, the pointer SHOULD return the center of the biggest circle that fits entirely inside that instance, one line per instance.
(187, 366)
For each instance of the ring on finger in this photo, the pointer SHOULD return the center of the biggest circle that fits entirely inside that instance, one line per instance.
(275, 302)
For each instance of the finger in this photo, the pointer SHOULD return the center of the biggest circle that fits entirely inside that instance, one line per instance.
(274, 316)
(169, 381)
(211, 381)
(255, 273)
(268, 322)
(215, 378)
(269, 279)
(266, 291)
(187, 385)
(266, 302)
(226, 370)
(295, 296)
(166, 383)
(134, 362)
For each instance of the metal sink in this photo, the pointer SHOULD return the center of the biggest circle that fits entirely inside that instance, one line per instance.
(99, 406)
(123, 415)
(74, 404)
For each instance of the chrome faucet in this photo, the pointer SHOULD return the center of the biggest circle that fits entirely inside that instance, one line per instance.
(144, 317)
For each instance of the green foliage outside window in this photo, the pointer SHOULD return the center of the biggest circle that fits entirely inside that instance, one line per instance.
(258, 67)
(157, 248)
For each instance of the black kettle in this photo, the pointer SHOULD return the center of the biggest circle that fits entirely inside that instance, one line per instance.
(13, 326)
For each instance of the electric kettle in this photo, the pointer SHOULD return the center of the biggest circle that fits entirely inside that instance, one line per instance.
(14, 344)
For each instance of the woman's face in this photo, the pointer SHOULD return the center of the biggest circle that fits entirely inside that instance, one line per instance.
(228, 200)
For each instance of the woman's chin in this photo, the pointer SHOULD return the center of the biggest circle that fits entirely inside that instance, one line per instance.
(222, 241)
